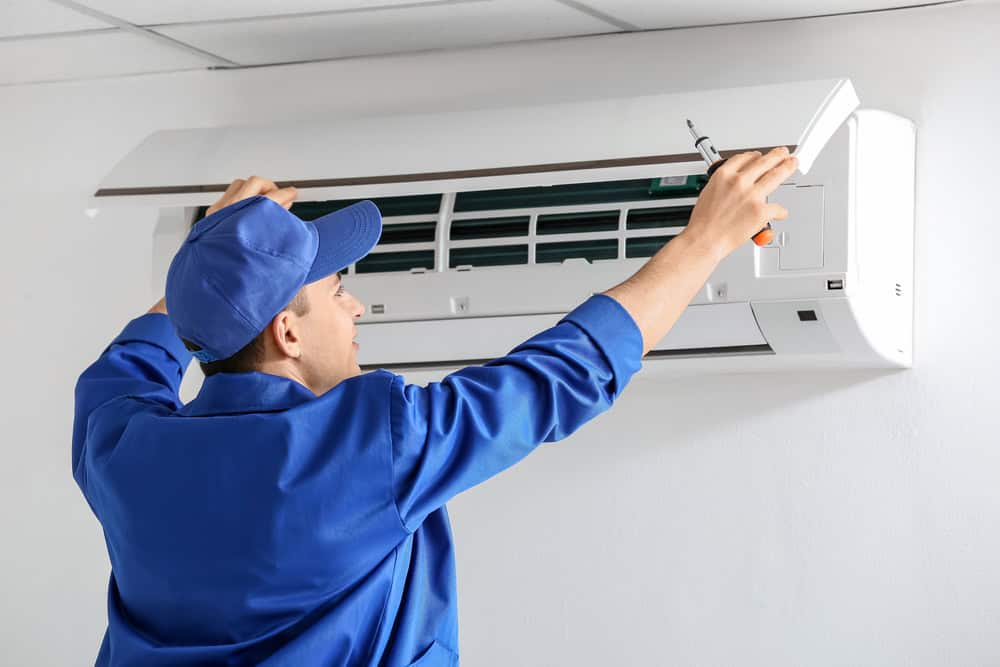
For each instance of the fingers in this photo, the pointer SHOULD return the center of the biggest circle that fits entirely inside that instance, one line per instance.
(227, 197)
(255, 185)
(761, 165)
(233, 188)
(241, 189)
(777, 175)
(738, 161)
(284, 196)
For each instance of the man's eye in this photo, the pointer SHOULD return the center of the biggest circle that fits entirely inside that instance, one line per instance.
(340, 290)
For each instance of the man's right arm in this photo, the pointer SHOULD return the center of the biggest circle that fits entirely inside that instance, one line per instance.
(731, 209)
(452, 435)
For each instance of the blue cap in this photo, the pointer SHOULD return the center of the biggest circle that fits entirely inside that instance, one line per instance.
(240, 266)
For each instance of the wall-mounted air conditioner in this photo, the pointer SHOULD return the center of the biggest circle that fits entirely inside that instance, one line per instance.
(497, 222)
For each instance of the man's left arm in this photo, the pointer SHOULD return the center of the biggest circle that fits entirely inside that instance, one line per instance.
(145, 362)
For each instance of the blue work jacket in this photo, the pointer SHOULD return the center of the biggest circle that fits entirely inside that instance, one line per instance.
(262, 524)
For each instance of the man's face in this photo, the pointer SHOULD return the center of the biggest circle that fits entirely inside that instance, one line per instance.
(328, 346)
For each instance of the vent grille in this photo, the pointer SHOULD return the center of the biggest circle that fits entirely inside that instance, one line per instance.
(520, 226)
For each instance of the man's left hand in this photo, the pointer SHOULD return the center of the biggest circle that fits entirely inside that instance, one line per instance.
(241, 189)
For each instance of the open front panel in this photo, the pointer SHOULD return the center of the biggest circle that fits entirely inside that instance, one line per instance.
(469, 150)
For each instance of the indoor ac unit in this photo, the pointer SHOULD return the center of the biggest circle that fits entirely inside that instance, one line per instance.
(499, 221)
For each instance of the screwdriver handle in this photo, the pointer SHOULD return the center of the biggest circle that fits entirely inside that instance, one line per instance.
(766, 234)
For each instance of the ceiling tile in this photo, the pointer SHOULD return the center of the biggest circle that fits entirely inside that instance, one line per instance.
(88, 55)
(185, 11)
(36, 17)
(654, 14)
(388, 31)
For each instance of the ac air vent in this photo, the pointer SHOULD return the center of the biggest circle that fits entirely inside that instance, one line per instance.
(518, 226)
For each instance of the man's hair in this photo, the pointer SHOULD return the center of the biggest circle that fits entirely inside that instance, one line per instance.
(251, 356)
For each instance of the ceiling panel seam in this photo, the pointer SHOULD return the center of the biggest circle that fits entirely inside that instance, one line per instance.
(96, 77)
(599, 15)
(146, 33)
(299, 15)
(857, 12)
(55, 35)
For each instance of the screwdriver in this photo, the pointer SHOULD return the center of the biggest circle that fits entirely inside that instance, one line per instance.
(714, 161)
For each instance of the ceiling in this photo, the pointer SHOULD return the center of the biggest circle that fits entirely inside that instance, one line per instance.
(61, 40)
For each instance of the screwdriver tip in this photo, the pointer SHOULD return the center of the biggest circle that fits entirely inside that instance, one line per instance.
(690, 124)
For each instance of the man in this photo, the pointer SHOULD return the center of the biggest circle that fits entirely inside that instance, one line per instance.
(294, 512)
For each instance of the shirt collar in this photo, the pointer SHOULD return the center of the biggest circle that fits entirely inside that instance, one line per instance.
(241, 393)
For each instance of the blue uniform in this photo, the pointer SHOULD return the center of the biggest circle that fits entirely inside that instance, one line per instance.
(262, 524)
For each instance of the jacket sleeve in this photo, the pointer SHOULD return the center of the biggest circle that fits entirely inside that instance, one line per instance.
(451, 435)
(146, 362)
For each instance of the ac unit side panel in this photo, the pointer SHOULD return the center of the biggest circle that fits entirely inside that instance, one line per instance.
(884, 212)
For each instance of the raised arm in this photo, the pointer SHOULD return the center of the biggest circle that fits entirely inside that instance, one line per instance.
(451, 435)
(144, 365)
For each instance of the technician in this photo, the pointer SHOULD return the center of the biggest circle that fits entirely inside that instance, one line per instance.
(293, 513)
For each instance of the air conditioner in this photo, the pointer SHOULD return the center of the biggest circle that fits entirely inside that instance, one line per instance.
(499, 221)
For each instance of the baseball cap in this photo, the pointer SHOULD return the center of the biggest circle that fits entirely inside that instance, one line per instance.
(241, 265)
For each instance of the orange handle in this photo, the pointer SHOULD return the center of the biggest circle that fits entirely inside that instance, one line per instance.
(764, 236)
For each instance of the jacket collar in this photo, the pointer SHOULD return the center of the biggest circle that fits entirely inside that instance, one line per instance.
(242, 393)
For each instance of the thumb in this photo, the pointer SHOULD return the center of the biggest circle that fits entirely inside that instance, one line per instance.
(776, 211)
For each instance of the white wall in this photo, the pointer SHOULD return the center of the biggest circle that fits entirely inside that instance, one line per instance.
(800, 519)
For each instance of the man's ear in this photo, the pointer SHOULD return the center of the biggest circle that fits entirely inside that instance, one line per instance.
(286, 334)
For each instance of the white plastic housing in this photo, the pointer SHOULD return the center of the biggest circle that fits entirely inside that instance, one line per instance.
(833, 291)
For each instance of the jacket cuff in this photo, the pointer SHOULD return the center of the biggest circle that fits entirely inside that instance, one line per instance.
(155, 329)
(614, 332)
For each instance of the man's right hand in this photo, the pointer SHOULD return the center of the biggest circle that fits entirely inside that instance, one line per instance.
(241, 189)
(733, 207)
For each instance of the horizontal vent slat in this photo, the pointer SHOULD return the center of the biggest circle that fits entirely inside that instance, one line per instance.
(486, 228)
(576, 223)
(648, 218)
(641, 189)
(409, 232)
(590, 250)
(387, 262)
(389, 206)
(489, 256)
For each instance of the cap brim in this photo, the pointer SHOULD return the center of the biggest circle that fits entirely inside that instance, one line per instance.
(345, 236)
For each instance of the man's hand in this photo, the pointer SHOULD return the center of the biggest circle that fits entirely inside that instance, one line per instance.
(239, 190)
(733, 206)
